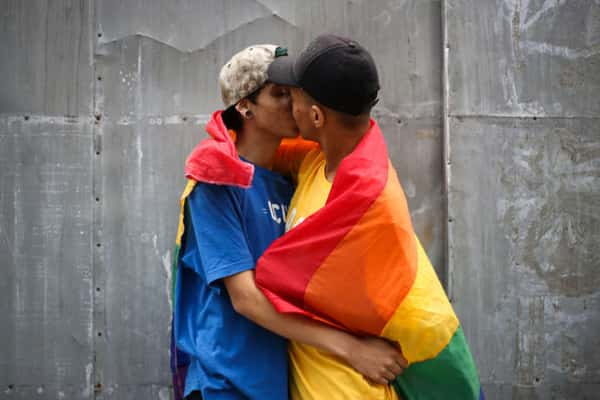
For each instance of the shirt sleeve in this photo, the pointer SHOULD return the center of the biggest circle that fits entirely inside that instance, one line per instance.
(217, 221)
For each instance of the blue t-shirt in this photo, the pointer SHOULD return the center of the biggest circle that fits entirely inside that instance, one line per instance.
(227, 229)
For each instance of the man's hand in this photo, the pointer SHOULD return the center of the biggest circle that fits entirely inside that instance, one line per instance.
(378, 360)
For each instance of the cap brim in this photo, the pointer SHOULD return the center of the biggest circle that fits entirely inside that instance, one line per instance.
(281, 71)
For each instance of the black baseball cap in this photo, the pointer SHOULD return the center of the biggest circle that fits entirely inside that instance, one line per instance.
(337, 72)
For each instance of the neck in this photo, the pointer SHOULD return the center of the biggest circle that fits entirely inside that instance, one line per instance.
(337, 144)
(257, 146)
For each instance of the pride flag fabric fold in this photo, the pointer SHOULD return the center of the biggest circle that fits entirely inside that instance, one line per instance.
(215, 160)
(357, 264)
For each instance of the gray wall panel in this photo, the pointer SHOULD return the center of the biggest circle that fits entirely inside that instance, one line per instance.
(142, 166)
(524, 57)
(525, 220)
(142, 154)
(187, 25)
(523, 192)
(45, 256)
(46, 53)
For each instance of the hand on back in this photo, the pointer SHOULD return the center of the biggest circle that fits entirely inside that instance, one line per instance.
(379, 360)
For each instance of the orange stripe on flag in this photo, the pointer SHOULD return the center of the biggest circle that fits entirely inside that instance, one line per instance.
(364, 279)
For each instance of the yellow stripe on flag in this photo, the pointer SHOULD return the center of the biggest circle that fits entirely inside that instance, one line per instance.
(424, 322)
(188, 189)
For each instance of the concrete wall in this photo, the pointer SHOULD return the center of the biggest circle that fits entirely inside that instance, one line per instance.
(523, 121)
(493, 102)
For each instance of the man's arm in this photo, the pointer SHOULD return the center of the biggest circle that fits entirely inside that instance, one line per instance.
(290, 154)
(375, 358)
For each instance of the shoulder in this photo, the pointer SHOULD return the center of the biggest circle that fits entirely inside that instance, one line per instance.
(204, 193)
(266, 177)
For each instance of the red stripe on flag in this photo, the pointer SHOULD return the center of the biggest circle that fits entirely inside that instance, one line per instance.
(289, 263)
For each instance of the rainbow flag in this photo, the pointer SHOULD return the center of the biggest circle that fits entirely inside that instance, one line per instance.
(357, 264)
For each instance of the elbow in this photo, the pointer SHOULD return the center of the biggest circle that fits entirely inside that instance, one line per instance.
(244, 304)
(240, 305)
(246, 298)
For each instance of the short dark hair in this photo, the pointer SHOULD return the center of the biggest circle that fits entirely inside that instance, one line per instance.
(232, 118)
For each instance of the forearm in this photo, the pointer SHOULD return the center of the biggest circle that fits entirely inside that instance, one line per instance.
(374, 358)
(254, 305)
(302, 329)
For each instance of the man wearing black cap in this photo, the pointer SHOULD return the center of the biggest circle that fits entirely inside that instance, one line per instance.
(334, 77)
(334, 86)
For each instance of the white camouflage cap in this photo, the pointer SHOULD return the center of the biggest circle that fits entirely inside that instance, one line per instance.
(247, 71)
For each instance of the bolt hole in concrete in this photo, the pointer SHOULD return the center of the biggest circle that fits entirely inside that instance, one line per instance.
(99, 333)
(99, 35)
(97, 153)
(97, 289)
(99, 78)
(97, 198)
(98, 117)
(26, 118)
(98, 244)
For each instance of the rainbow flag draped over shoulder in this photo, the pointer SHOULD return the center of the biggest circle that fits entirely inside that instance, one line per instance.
(357, 264)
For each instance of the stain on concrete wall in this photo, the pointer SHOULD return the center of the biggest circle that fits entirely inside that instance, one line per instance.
(532, 57)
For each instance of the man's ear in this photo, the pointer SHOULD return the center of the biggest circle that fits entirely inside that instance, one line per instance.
(317, 116)
(243, 108)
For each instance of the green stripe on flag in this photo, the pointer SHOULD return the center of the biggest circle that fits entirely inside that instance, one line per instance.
(174, 273)
(451, 375)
